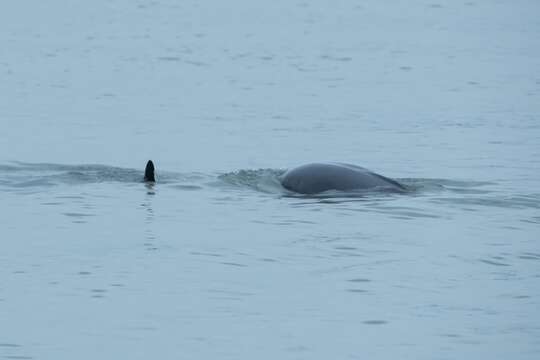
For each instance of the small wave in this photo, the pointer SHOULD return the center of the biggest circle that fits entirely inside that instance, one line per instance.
(32, 175)
(264, 180)
(435, 184)
(495, 200)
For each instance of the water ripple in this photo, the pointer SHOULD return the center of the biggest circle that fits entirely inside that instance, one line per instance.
(495, 263)
(467, 195)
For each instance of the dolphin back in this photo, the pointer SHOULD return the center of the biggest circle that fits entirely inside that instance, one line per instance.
(316, 178)
(149, 172)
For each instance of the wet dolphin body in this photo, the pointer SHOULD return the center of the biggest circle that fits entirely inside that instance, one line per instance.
(149, 172)
(319, 177)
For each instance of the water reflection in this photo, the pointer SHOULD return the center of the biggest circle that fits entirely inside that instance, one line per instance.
(149, 219)
(150, 188)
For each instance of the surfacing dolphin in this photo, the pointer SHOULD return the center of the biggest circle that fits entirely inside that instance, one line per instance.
(319, 177)
(149, 172)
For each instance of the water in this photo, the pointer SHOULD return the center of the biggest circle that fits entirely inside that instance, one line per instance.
(217, 260)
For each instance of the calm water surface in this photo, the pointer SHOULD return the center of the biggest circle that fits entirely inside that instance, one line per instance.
(217, 260)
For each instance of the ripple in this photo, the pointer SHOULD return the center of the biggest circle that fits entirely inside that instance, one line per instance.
(187, 187)
(359, 280)
(169, 58)
(196, 63)
(205, 254)
(495, 263)
(530, 256)
(40, 175)
(337, 58)
(406, 212)
(77, 215)
(537, 255)
(264, 180)
(345, 248)
(514, 202)
(233, 264)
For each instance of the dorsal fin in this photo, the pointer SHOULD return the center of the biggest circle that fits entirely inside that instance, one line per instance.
(149, 172)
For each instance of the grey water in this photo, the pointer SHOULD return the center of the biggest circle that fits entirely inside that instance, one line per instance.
(217, 259)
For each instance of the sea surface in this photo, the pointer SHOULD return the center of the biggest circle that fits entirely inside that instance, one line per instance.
(216, 260)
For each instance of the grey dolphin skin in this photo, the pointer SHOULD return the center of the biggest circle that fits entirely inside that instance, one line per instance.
(319, 177)
(149, 172)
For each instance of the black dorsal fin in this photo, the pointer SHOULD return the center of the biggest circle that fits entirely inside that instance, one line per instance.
(149, 172)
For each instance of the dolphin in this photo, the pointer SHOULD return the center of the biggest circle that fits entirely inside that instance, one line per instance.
(319, 177)
(149, 172)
